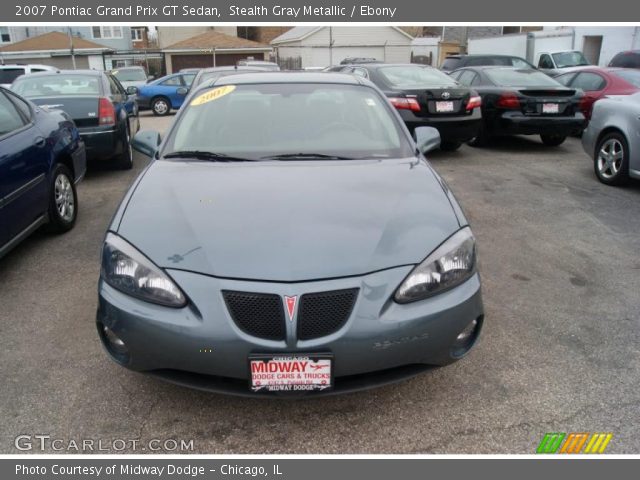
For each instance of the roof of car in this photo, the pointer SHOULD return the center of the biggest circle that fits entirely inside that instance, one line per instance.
(135, 67)
(476, 55)
(96, 73)
(230, 68)
(289, 77)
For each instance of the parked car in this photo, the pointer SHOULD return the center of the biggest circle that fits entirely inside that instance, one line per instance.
(628, 59)
(234, 255)
(523, 102)
(190, 70)
(105, 113)
(611, 139)
(131, 76)
(555, 63)
(336, 68)
(9, 72)
(454, 62)
(210, 74)
(358, 60)
(425, 96)
(598, 82)
(42, 158)
(264, 65)
(166, 93)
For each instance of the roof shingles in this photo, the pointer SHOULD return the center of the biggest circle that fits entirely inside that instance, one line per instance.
(215, 39)
(52, 41)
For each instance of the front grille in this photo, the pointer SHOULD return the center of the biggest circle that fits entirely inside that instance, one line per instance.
(323, 313)
(258, 314)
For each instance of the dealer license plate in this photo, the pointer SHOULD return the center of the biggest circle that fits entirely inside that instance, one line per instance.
(291, 373)
(443, 107)
(550, 108)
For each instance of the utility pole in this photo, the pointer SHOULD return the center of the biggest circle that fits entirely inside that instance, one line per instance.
(73, 55)
(330, 45)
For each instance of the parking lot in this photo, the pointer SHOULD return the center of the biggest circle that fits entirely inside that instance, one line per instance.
(559, 352)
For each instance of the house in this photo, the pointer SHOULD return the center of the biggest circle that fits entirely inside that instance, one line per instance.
(322, 46)
(425, 50)
(140, 38)
(212, 48)
(261, 34)
(171, 35)
(56, 49)
(114, 37)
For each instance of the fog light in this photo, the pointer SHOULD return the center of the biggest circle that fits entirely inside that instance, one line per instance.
(466, 338)
(115, 343)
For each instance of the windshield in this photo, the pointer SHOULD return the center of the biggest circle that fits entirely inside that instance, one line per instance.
(298, 120)
(450, 63)
(569, 59)
(631, 76)
(57, 85)
(8, 75)
(133, 75)
(408, 77)
(520, 78)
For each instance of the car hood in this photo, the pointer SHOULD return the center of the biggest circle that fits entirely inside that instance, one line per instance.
(288, 221)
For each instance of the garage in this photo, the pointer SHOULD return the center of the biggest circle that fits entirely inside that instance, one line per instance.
(210, 49)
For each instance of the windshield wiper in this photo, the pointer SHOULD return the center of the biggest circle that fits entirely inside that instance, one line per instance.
(205, 155)
(293, 156)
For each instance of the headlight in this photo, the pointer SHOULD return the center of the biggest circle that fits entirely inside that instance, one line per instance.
(128, 270)
(449, 265)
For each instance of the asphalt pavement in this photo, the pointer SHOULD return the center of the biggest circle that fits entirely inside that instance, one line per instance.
(559, 258)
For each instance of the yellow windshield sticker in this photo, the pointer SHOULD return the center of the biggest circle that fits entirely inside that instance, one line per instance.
(214, 94)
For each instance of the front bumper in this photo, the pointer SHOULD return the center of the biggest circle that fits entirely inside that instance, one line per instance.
(455, 129)
(201, 346)
(515, 123)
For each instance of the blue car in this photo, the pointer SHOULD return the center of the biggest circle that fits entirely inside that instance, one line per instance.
(166, 93)
(42, 158)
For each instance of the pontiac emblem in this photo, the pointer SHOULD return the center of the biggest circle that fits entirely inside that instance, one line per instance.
(290, 303)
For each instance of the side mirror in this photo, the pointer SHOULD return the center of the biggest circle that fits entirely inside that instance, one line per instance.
(427, 139)
(146, 142)
(150, 77)
(132, 90)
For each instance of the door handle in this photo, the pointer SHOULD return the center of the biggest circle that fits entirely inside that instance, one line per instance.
(40, 142)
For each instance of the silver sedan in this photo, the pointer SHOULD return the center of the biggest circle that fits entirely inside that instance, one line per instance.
(612, 139)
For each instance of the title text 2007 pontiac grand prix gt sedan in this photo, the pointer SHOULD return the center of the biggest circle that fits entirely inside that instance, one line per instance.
(288, 237)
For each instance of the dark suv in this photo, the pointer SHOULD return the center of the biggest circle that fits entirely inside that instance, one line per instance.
(628, 59)
(454, 62)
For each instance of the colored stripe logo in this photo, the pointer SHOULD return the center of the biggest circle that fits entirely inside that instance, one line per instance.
(584, 442)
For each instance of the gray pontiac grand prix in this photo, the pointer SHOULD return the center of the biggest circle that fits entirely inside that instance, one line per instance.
(288, 237)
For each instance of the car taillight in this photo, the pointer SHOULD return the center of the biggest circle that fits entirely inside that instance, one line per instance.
(402, 103)
(474, 102)
(106, 112)
(508, 100)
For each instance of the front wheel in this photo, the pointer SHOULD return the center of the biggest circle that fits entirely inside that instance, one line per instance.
(553, 140)
(611, 162)
(63, 204)
(450, 146)
(160, 106)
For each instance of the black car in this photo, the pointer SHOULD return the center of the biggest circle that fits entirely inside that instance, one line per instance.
(628, 59)
(454, 62)
(105, 113)
(424, 96)
(42, 157)
(523, 102)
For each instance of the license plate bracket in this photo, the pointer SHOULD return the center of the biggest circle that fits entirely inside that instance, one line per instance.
(550, 108)
(290, 372)
(444, 107)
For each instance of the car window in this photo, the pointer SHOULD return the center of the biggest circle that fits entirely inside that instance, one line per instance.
(261, 120)
(519, 63)
(172, 82)
(36, 70)
(631, 76)
(22, 106)
(456, 75)
(10, 118)
(361, 72)
(569, 59)
(8, 75)
(188, 78)
(626, 60)
(114, 88)
(589, 82)
(410, 76)
(57, 84)
(545, 61)
(520, 78)
(565, 79)
(467, 77)
(451, 63)
(130, 75)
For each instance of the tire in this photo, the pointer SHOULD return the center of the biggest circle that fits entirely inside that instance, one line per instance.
(160, 106)
(551, 140)
(450, 146)
(63, 200)
(611, 162)
(125, 159)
